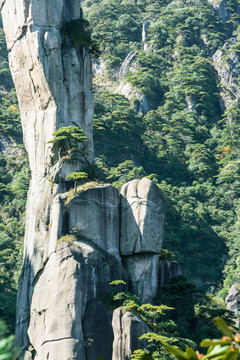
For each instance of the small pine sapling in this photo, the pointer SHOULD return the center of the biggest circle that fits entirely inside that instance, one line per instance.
(77, 176)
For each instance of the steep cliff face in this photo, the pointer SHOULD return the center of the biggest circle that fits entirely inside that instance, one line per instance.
(75, 243)
(53, 83)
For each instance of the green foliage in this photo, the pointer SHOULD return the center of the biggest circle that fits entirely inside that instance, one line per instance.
(141, 355)
(125, 172)
(79, 32)
(6, 352)
(15, 175)
(72, 134)
(178, 288)
(68, 239)
(77, 176)
(225, 348)
(127, 299)
(166, 255)
(117, 282)
(183, 140)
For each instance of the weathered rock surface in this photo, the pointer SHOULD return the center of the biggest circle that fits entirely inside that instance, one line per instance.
(127, 329)
(144, 30)
(233, 302)
(142, 272)
(53, 82)
(140, 102)
(98, 331)
(147, 274)
(10, 148)
(95, 212)
(226, 62)
(167, 271)
(129, 64)
(142, 217)
(73, 276)
(221, 9)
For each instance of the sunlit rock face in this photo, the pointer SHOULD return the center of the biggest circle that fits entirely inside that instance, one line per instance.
(140, 102)
(75, 243)
(53, 81)
(52, 77)
(143, 272)
(95, 212)
(233, 302)
(73, 277)
(226, 61)
(142, 217)
(127, 329)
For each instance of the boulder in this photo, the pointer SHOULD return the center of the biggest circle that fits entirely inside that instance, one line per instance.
(142, 217)
(140, 102)
(142, 272)
(95, 213)
(233, 302)
(127, 329)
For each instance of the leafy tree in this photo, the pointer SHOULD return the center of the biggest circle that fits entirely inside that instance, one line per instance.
(77, 176)
(80, 34)
(72, 134)
(7, 350)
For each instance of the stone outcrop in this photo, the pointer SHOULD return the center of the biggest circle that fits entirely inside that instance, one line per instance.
(233, 302)
(226, 62)
(127, 329)
(54, 84)
(142, 217)
(140, 102)
(144, 30)
(221, 9)
(167, 271)
(129, 64)
(143, 270)
(98, 331)
(141, 235)
(95, 213)
(73, 276)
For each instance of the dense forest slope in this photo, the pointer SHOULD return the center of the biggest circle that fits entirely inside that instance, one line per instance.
(179, 70)
(166, 92)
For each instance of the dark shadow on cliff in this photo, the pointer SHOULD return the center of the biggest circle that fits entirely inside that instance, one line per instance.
(24, 299)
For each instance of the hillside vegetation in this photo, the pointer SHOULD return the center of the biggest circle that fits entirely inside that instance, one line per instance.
(186, 141)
